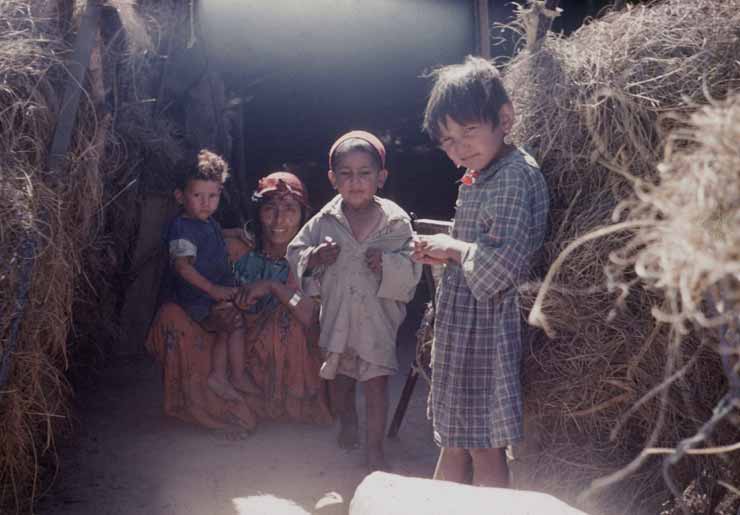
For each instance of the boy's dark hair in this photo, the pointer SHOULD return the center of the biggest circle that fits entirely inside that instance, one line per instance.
(356, 145)
(469, 92)
(209, 167)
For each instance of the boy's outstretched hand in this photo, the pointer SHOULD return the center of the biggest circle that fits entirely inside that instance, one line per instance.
(221, 293)
(324, 254)
(374, 260)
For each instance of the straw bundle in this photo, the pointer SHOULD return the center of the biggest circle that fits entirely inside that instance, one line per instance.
(46, 221)
(687, 248)
(67, 236)
(592, 108)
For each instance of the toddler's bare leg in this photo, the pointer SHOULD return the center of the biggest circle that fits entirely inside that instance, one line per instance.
(219, 358)
(454, 464)
(376, 396)
(490, 467)
(217, 378)
(239, 378)
(343, 390)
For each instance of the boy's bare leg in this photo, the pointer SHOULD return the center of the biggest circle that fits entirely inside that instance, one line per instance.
(454, 464)
(239, 378)
(343, 390)
(376, 397)
(217, 378)
(490, 467)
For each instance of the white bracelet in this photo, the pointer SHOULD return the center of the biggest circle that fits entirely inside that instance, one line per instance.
(295, 299)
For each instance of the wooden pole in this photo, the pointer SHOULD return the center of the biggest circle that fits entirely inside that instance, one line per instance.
(544, 13)
(239, 154)
(77, 67)
(483, 28)
(403, 402)
(546, 21)
(421, 226)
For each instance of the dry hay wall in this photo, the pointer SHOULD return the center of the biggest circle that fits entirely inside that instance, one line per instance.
(687, 247)
(45, 222)
(593, 108)
(142, 150)
(63, 234)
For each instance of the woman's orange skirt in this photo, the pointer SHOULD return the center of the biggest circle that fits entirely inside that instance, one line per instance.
(282, 357)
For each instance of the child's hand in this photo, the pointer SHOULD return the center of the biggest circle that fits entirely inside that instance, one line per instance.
(249, 294)
(428, 251)
(221, 293)
(324, 254)
(224, 317)
(374, 260)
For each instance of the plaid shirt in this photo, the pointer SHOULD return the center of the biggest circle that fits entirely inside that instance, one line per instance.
(476, 398)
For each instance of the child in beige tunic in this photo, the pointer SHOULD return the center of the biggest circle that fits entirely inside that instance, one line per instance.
(357, 248)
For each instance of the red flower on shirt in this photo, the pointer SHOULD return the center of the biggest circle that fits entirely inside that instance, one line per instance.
(468, 179)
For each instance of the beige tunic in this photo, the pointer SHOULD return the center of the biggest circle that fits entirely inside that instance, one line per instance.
(360, 311)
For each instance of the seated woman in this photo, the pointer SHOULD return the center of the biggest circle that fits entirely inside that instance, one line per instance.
(282, 353)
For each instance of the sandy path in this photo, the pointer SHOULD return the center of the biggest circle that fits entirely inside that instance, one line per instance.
(127, 458)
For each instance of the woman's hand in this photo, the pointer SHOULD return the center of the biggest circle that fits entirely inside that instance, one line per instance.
(221, 293)
(249, 294)
(374, 260)
(324, 254)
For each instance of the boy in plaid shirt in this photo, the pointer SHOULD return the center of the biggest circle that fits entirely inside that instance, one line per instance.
(500, 223)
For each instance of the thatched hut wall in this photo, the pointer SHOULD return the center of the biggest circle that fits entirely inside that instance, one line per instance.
(68, 231)
(596, 108)
(48, 218)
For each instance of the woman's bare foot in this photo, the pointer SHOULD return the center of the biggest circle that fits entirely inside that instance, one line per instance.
(223, 388)
(245, 384)
(349, 436)
(376, 461)
(232, 434)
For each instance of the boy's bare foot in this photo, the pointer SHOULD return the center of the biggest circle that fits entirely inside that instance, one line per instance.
(245, 384)
(349, 436)
(223, 389)
(376, 461)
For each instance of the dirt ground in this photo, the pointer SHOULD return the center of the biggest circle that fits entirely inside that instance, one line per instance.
(126, 457)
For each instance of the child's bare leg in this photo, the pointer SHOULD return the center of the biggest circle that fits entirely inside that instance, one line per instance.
(490, 468)
(343, 390)
(217, 378)
(239, 379)
(376, 398)
(454, 464)
(220, 358)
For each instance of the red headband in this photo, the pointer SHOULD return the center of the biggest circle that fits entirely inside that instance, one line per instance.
(363, 135)
(282, 182)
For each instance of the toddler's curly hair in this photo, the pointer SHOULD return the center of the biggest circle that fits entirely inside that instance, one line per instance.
(209, 167)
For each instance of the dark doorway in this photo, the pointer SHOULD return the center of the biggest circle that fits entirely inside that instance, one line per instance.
(313, 70)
